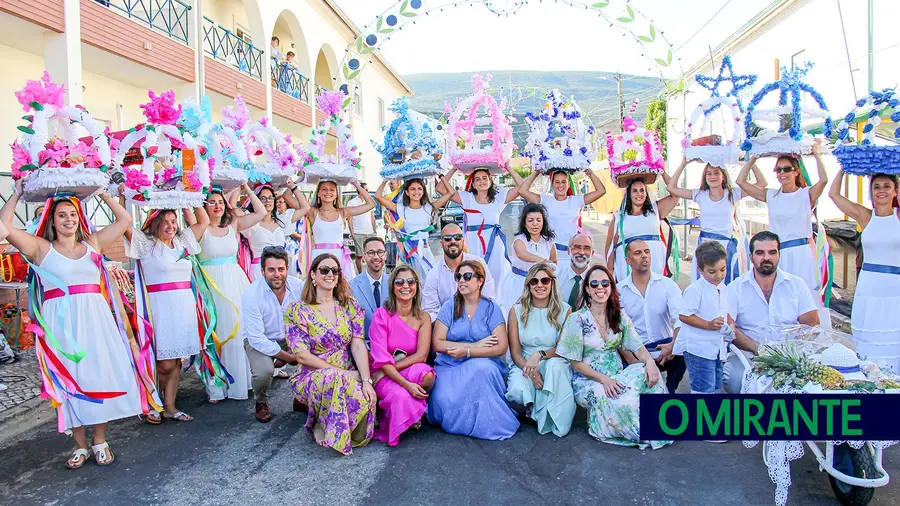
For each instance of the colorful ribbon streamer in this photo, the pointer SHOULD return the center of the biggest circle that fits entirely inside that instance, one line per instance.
(824, 259)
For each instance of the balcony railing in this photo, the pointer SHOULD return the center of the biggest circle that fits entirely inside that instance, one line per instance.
(320, 90)
(288, 79)
(167, 16)
(225, 46)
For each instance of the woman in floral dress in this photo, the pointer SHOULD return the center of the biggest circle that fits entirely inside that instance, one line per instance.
(324, 330)
(591, 340)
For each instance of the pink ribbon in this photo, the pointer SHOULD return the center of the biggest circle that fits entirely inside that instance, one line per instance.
(346, 260)
(256, 260)
(56, 293)
(166, 287)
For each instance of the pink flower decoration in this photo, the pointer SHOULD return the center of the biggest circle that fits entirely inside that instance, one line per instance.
(44, 92)
(135, 179)
(447, 108)
(236, 116)
(161, 109)
(331, 102)
(20, 159)
(113, 142)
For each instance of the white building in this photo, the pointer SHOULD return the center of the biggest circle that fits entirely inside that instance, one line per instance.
(108, 53)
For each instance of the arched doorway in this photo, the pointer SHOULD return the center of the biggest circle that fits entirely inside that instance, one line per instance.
(289, 60)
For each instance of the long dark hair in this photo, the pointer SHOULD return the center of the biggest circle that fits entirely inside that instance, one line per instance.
(406, 186)
(726, 184)
(390, 305)
(890, 177)
(529, 208)
(647, 207)
(228, 215)
(613, 307)
(492, 189)
(151, 229)
(458, 302)
(274, 212)
(50, 228)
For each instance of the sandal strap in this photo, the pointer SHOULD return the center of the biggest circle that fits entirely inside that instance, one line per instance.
(80, 452)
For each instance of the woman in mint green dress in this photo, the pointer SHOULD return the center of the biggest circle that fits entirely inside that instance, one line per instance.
(539, 380)
(592, 339)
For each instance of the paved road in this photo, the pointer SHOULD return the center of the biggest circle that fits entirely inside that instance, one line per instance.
(226, 457)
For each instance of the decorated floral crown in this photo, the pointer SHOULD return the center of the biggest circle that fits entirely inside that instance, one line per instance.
(479, 135)
(785, 132)
(172, 172)
(50, 157)
(342, 167)
(715, 149)
(866, 158)
(269, 153)
(226, 152)
(636, 153)
(559, 138)
(410, 148)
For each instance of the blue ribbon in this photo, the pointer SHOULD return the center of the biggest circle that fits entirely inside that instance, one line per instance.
(793, 243)
(650, 237)
(62, 312)
(562, 247)
(731, 249)
(845, 370)
(519, 272)
(218, 261)
(883, 269)
(655, 344)
(495, 231)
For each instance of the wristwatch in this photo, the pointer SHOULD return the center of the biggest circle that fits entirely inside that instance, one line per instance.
(543, 354)
(368, 380)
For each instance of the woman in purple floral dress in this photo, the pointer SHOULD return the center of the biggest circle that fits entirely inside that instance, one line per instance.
(324, 330)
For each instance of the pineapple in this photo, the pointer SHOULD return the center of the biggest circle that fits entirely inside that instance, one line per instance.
(788, 366)
(825, 376)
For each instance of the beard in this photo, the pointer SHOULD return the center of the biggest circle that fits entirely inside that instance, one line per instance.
(580, 261)
(766, 268)
(453, 253)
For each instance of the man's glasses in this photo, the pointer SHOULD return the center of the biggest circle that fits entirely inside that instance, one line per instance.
(597, 284)
(407, 281)
(467, 276)
(786, 170)
(586, 249)
(544, 281)
(452, 237)
(380, 253)
(334, 271)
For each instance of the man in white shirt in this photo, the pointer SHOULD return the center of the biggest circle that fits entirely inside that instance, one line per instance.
(440, 285)
(652, 301)
(571, 273)
(262, 322)
(761, 300)
(362, 227)
(370, 288)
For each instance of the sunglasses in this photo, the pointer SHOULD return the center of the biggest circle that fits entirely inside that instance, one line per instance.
(544, 281)
(597, 284)
(407, 281)
(785, 170)
(376, 253)
(465, 276)
(452, 237)
(334, 271)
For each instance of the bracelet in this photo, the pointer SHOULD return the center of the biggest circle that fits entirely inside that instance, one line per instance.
(468, 352)
(368, 380)
(543, 354)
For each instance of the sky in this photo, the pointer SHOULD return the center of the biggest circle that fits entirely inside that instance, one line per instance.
(549, 35)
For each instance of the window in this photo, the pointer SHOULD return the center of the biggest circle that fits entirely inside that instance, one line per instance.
(243, 33)
(357, 101)
(380, 112)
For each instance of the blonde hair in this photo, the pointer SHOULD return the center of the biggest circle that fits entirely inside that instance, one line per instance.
(554, 307)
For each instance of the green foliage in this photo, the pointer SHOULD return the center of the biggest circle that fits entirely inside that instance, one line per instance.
(522, 171)
(656, 120)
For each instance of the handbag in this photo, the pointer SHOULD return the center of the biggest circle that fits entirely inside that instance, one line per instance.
(13, 268)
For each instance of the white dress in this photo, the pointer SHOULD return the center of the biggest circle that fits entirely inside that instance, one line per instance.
(643, 227)
(514, 284)
(88, 322)
(173, 312)
(260, 237)
(290, 244)
(491, 244)
(876, 304)
(329, 238)
(415, 222)
(717, 224)
(790, 217)
(218, 258)
(564, 215)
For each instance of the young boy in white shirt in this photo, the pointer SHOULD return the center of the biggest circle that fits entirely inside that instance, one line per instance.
(706, 326)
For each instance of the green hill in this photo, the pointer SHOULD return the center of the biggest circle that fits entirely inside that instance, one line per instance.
(595, 92)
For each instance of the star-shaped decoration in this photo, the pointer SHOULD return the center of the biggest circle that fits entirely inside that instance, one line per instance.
(738, 83)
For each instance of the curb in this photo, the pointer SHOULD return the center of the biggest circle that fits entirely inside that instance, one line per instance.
(24, 417)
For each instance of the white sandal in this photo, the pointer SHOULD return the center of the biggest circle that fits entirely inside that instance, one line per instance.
(78, 458)
(102, 454)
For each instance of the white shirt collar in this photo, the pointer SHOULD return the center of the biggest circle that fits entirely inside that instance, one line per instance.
(629, 281)
(719, 288)
(372, 280)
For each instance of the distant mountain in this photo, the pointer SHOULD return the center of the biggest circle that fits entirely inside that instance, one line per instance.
(595, 93)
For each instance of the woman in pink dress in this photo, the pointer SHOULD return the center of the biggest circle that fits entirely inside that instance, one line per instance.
(400, 338)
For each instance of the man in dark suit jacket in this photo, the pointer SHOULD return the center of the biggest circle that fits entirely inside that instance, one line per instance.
(370, 288)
